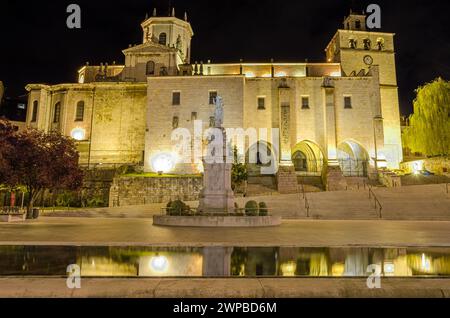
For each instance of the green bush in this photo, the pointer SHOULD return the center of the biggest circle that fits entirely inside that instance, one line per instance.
(178, 207)
(263, 210)
(251, 208)
(95, 202)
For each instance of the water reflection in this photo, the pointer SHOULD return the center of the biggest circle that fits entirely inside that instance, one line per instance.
(222, 261)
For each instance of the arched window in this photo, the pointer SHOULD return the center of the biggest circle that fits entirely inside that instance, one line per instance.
(79, 115)
(34, 111)
(150, 69)
(352, 43)
(367, 44)
(380, 44)
(162, 39)
(57, 113)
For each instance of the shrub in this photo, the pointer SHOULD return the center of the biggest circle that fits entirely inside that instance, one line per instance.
(178, 207)
(251, 208)
(263, 210)
(95, 202)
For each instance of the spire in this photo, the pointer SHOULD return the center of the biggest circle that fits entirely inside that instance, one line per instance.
(173, 11)
(154, 12)
(185, 16)
(146, 16)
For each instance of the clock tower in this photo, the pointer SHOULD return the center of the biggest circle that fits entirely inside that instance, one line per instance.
(357, 48)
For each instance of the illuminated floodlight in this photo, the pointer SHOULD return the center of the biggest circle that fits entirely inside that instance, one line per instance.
(78, 134)
(163, 163)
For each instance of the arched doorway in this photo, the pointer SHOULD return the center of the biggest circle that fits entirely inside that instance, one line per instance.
(353, 159)
(261, 159)
(308, 159)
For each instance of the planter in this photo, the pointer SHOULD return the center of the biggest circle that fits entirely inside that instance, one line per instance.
(217, 221)
(8, 218)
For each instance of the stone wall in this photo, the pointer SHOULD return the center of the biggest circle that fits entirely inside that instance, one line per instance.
(127, 191)
(439, 165)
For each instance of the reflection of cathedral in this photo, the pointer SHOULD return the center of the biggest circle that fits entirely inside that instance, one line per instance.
(342, 112)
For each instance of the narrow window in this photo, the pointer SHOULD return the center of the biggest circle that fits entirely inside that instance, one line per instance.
(193, 116)
(79, 116)
(357, 24)
(352, 43)
(150, 68)
(367, 44)
(261, 103)
(34, 111)
(380, 44)
(305, 102)
(57, 113)
(347, 102)
(212, 97)
(175, 122)
(162, 39)
(176, 98)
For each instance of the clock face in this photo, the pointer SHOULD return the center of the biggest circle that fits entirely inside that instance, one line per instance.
(368, 60)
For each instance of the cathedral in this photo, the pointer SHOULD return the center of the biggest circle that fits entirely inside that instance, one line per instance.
(336, 119)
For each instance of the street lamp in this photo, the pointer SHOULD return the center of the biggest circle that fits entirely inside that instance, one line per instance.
(375, 119)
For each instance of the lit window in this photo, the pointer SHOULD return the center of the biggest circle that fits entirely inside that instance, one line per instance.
(34, 111)
(347, 102)
(380, 44)
(79, 116)
(162, 39)
(212, 97)
(176, 98)
(57, 113)
(261, 103)
(305, 102)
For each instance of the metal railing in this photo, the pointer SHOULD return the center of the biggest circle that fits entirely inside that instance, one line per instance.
(378, 206)
(305, 198)
(11, 210)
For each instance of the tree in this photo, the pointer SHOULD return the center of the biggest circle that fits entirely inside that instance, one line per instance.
(429, 130)
(41, 161)
(238, 171)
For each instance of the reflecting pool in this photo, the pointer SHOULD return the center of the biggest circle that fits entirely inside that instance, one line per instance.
(223, 261)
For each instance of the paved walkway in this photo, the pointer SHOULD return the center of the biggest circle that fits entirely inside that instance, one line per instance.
(308, 233)
(225, 288)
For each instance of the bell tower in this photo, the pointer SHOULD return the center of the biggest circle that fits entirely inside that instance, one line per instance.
(357, 48)
(171, 32)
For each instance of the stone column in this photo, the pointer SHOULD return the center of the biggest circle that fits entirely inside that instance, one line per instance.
(286, 176)
(334, 178)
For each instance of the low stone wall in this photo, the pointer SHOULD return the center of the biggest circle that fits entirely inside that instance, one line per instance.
(439, 165)
(217, 221)
(128, 191)
(389, 179)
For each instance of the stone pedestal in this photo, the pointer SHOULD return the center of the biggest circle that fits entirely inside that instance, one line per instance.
(217, 195)
(335, 179)
(287, 179)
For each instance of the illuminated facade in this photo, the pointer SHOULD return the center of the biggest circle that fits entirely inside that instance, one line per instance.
(342, 114)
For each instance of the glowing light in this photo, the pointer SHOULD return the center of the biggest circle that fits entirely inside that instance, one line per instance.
(81, 79)
(78, 134)
(417, 167)
(267, 75)
(335, 74)
(249, 74)
(288, 269)
(280, 74)
(163, 162)
(159, 264)
(426, 264)
(389, 268)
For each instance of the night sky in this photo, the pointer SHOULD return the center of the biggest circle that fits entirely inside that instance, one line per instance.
(37, 47)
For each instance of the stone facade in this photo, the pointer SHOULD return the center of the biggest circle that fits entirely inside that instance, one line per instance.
(342, 113)
(126, 191)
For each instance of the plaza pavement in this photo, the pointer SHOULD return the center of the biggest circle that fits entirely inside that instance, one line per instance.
(308, 233)
(224, 287)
